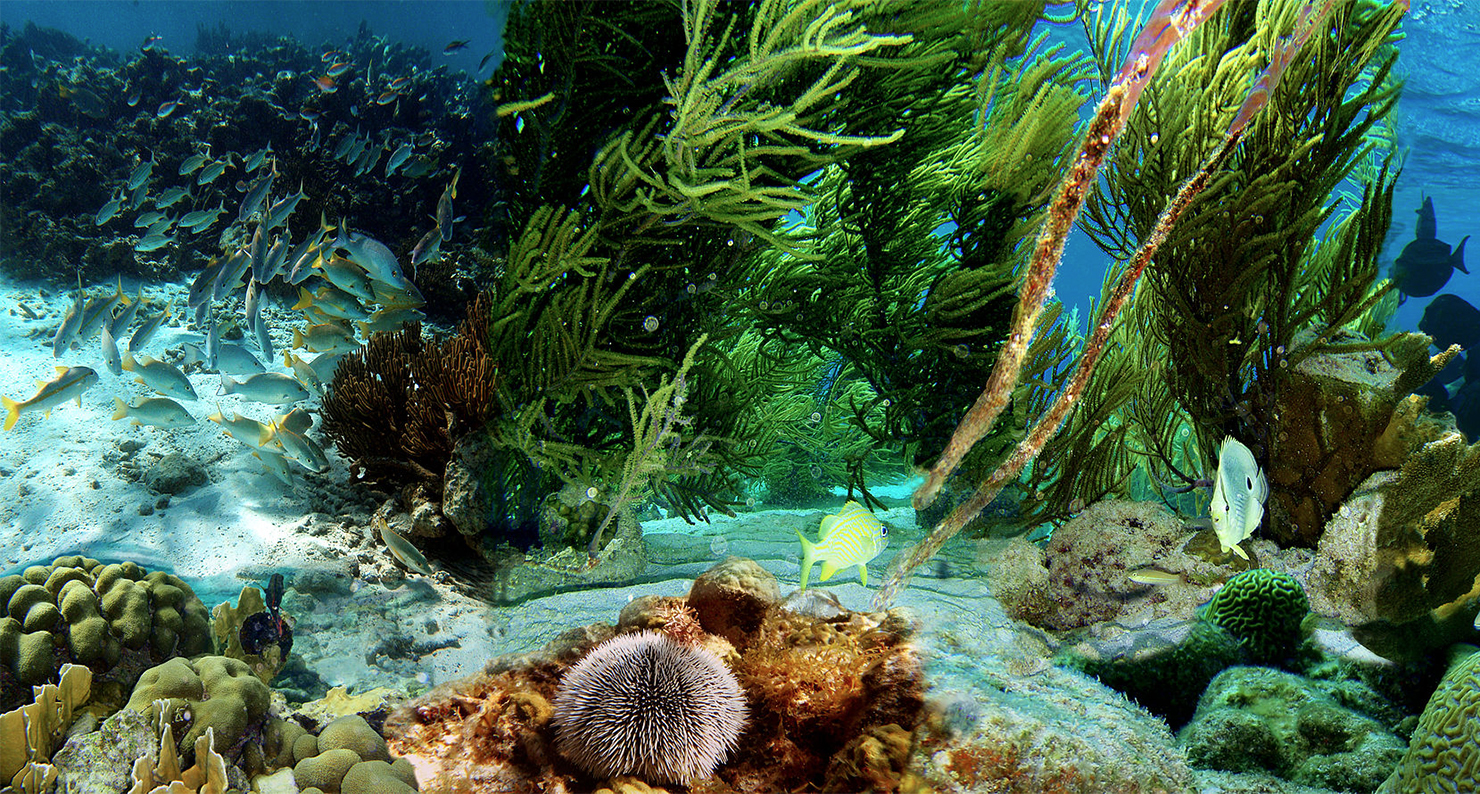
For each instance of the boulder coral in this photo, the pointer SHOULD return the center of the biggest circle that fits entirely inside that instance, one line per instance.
(117, 619)
(1444, 754)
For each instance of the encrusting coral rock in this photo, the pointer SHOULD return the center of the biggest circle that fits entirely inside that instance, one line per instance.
(822, 696)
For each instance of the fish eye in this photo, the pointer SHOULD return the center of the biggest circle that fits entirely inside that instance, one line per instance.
(1249, 483)
(884, 532)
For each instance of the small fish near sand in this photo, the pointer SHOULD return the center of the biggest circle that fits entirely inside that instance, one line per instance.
(1239, 491)
(408, 555)
(852, 536)
(69, 383)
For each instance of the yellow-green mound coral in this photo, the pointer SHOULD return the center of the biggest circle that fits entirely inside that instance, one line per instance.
(117, 619)
(210, 692)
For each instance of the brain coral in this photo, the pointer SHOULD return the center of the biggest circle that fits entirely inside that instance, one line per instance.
(1444, 754)
(1263, 609)
(643, 704)
(117, 619)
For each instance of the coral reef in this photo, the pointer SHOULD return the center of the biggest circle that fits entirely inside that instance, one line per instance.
(1058, 732)
(1343, 416)
(71, 139)
(1399, 559)
(117, 619)
(1255, 718)
(1165, 668)
(29, 734)
(1089, 560)
(226, 628)
(210, 692)
(1264, 609)
(831, 701)
(1444, 753)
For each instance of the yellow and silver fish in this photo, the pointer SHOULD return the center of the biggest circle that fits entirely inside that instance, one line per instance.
(160, 376)
(851, 537)
(1238, 496)
(70, 382)
(153, 411)
(401, 548)
(245, 429)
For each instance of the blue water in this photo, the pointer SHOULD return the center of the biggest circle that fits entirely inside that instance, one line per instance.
(124, 24)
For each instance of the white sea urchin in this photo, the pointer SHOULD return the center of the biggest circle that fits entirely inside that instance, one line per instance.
(642, 704)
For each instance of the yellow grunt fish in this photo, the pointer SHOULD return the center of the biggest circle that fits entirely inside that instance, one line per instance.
(70, 382)
(851, 537)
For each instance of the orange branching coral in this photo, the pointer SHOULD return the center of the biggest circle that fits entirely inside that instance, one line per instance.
(398, 405)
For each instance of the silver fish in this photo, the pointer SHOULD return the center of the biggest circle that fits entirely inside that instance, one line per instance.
(70, 382)
(264, 339)
(254, 160)
(122, 320)
(245, 429)
(110, 352)
(193, 163)
(160, 376)
(256, 197)
(109, 210)
(371, 254)
(146, 331)
(153, 242)
(201, 219)
(213, 343)
(398, 158)
(171, 197)
(401, 548)
(141, 173)
(153, 411)
(279, 212)
(429, 247)
(212, 172)
(71, 323)
(444, 206)
(268, 387)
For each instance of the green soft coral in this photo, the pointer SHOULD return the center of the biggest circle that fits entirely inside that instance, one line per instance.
(1264, 609)
(1444, 754)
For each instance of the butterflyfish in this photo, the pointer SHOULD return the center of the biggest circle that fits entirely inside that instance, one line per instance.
(1238, 496)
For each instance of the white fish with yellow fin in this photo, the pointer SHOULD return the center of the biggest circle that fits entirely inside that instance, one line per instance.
(70, 382)
(851, 537)
(401, 548)
(1239, 492)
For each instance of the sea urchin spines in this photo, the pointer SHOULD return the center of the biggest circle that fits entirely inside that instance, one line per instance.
(642, 704)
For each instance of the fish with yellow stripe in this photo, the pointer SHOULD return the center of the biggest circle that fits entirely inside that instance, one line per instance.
(70, 382)
(852, 536)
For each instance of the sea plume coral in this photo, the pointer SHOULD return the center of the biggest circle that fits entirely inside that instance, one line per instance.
(643, 704)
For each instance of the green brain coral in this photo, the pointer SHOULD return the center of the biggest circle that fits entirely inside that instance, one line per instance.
(1444, 755)
(1263, 609)
(117, 619)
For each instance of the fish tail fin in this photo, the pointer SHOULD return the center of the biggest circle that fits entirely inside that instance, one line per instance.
(226, 384)
(863, 574)
(1459, 255)
(12, 412)
(1239, 550)
(128, 361)
(807, 551)
(121, 409)
(305, 299)
(297, 339)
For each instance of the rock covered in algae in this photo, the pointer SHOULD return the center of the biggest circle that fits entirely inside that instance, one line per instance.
(1259, 719)
(1400, 558)
(821, 694)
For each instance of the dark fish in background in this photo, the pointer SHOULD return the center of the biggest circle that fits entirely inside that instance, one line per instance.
(1426, 263)
(454, 46)
(86, 101)
(151, 43)
(270, 627)
(1451, 320)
